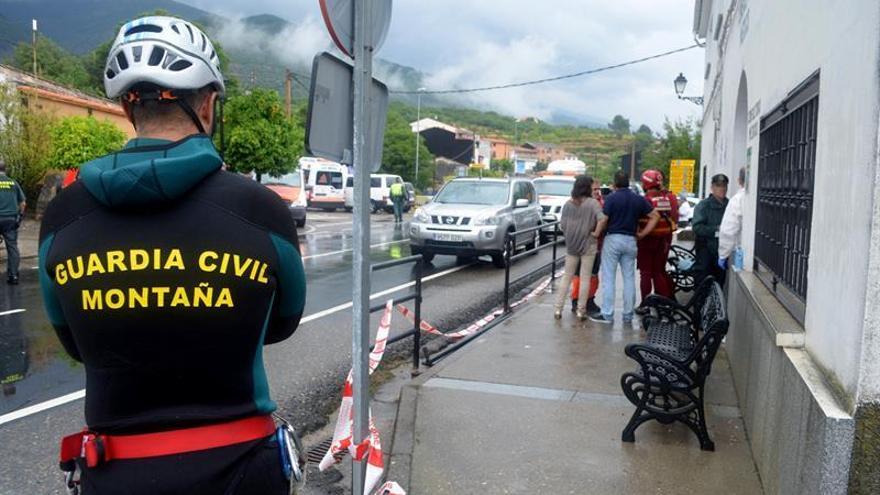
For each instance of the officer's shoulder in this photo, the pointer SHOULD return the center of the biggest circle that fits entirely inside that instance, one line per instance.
(242, 196)
(69, 204)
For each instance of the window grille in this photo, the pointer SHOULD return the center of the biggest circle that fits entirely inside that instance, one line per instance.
(785, 195)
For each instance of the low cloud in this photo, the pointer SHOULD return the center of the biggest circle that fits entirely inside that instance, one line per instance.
(295, 45)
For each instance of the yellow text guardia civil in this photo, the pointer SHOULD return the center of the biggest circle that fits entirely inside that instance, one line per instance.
(158, 259)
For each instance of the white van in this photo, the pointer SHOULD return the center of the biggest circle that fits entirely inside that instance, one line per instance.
(325, 183)
(380, 191)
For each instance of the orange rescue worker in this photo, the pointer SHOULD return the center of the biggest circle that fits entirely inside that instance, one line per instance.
(654, 248)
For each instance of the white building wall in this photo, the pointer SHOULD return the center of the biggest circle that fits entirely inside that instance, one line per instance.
(778, 44)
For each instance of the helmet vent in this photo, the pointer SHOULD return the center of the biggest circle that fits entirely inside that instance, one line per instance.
(110, 74)
(204, 42)
(174, 28)
(136, 52)
(192, 39)
(144, 28)
(156, 56)
(179, 65)
(121, 60)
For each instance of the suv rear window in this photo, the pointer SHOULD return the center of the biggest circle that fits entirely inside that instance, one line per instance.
(375, 182)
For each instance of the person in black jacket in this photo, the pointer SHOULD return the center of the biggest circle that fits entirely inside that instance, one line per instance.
(166, 275)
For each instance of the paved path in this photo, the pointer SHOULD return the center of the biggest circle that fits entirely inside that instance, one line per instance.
(535, 406)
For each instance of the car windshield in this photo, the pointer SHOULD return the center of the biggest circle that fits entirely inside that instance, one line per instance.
(292, 179)
(554, 187)
(324, 178)
(474, 192)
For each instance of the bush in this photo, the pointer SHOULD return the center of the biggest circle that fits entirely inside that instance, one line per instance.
(25, 142)
(76, 140)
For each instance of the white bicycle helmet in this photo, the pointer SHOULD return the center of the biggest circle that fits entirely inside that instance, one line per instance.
(167, 52)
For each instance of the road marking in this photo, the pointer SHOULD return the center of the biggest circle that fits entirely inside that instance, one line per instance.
(332, 253)
(79, 394)
(349, 304)
(42, 406)
(12, 312)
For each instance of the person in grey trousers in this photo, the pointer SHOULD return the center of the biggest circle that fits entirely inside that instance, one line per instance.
(12, 205)
(581, 222)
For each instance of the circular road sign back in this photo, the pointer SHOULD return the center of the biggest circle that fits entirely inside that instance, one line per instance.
(339, 17)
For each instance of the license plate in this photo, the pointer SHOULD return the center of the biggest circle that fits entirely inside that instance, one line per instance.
(448, 237)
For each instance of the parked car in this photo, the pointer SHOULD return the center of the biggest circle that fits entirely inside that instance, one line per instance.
(471, 217)
(553, 192)
(380, 191)
(291, 189)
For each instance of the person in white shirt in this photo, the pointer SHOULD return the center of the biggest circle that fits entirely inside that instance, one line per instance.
(731, 223)
(685, 211)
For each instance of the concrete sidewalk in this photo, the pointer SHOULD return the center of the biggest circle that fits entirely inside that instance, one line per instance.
(535, 406)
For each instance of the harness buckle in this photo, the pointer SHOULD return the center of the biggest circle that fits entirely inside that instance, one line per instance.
(93, 449)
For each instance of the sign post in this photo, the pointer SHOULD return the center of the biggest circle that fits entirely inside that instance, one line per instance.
(358, 27)
(360, 343)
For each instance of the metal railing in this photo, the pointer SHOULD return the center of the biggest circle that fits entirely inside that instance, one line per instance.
(415, 295)
(510, 243)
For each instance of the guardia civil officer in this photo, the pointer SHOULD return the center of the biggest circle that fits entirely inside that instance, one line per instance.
(12, 205)
(165, 276)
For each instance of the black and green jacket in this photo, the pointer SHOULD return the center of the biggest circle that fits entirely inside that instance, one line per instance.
(165, 275)
(707, 220)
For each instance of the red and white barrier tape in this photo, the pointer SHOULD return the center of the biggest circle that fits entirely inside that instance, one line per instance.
(479, 324)
(371, 447)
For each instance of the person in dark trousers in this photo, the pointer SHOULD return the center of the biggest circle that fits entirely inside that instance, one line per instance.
(12, 207)
(654, 248)
(165, 276)
(623, 209)
(398, 198)
(707, 220)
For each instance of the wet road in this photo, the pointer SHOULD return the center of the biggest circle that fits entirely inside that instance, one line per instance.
(304, 372)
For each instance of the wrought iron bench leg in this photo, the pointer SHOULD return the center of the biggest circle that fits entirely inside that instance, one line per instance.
(698, 425)
(638, 417)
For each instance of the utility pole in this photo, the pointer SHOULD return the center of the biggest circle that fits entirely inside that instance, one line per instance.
(632, 162)
(34, 43)
(288, 91)
(418, 131)
(253, 78)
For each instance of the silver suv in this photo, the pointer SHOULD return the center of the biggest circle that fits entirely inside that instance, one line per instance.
(471, 217)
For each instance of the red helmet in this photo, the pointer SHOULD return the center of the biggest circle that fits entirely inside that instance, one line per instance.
(652, 179)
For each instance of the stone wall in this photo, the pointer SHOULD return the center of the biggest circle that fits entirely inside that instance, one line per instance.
(800, 434)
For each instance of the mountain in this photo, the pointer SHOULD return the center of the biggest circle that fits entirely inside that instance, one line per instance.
(257, 46)
(79, 25)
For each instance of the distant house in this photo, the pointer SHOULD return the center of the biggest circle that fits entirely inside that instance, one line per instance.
(524, 159)
(60, 101)
(547, 152)
(501, 148)
(454, 143)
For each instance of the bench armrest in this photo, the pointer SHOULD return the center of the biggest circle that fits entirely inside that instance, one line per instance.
(660, 365)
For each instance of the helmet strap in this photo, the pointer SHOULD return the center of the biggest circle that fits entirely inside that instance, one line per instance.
(192, 114)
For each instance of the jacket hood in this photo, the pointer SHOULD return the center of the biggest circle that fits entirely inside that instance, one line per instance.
(150, 171)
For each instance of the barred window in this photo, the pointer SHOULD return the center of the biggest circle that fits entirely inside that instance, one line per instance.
(785, 196)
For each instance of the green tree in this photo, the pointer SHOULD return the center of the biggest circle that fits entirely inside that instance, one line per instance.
(25, 142)
(504, 165)
(259, 137)
(619, 125)
(76, 140)
(541, 166)
(53, 63)
(680, 141)
(399, 152)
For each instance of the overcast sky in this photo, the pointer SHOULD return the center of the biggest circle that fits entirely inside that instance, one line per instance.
(466, 43)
